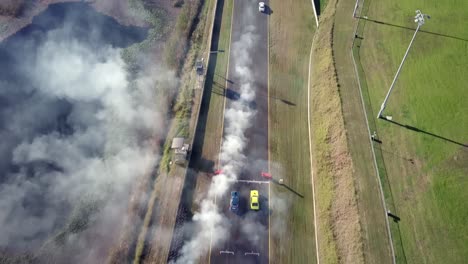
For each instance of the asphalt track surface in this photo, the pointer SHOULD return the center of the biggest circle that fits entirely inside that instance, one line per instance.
(249, 234)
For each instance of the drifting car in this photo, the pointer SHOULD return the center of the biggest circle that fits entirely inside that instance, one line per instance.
(261, 7)
(254, 203)
(234, 205)
(266, 175)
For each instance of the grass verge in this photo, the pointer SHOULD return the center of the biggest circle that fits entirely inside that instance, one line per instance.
(423, 154)
(375, 240)
(291, 28)
(339, 230)
(163, 202)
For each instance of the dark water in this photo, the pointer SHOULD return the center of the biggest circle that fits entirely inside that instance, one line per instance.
(25, 113)
(17, 91)
(81, 21)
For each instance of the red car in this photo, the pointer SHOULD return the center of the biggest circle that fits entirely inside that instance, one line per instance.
(266, 175)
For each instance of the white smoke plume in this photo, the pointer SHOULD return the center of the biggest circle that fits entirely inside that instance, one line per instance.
(79, 134)
(252, 229)
(211, 227)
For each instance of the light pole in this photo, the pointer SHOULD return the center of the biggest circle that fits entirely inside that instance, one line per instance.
(419, 18)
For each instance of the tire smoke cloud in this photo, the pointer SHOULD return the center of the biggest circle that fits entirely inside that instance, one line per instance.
(209, 223)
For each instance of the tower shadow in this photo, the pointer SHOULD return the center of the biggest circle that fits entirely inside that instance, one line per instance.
(415, 129)
(409, 28)
(287, 187)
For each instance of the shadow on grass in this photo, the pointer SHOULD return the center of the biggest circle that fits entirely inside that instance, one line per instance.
(410, 160)
(233, 95)
(224, 78)
(399, 258)
(287, 187)
(268, 10)
(415, 129)
(317, 7)
(409, 28)
(286, 102)
(228, 93)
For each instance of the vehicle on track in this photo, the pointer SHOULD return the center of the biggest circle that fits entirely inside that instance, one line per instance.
(234, 205)
(266, 175)
(261, 7)
(254, 203)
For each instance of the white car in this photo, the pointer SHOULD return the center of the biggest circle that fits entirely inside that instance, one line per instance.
(261, 7)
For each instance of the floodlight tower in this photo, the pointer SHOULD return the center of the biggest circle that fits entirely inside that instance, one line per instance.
(419, 19)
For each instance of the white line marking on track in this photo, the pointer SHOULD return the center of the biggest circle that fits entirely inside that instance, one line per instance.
(269, 131)
(382, 196)
(252, 181)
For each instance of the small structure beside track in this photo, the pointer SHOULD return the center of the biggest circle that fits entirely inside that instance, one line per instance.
(181, 150)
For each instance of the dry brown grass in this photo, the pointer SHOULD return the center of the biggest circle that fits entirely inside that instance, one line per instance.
(160, 218)
(338, 216)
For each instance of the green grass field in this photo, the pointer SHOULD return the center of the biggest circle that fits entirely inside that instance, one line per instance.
(291, 28)
(422, 160)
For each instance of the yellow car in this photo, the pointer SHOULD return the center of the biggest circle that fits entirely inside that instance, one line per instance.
(254, 205)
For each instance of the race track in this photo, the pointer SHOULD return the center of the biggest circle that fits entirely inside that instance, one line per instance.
(249, 234)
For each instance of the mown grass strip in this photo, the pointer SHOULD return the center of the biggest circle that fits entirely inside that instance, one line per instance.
(291, 29)
(372, 214)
